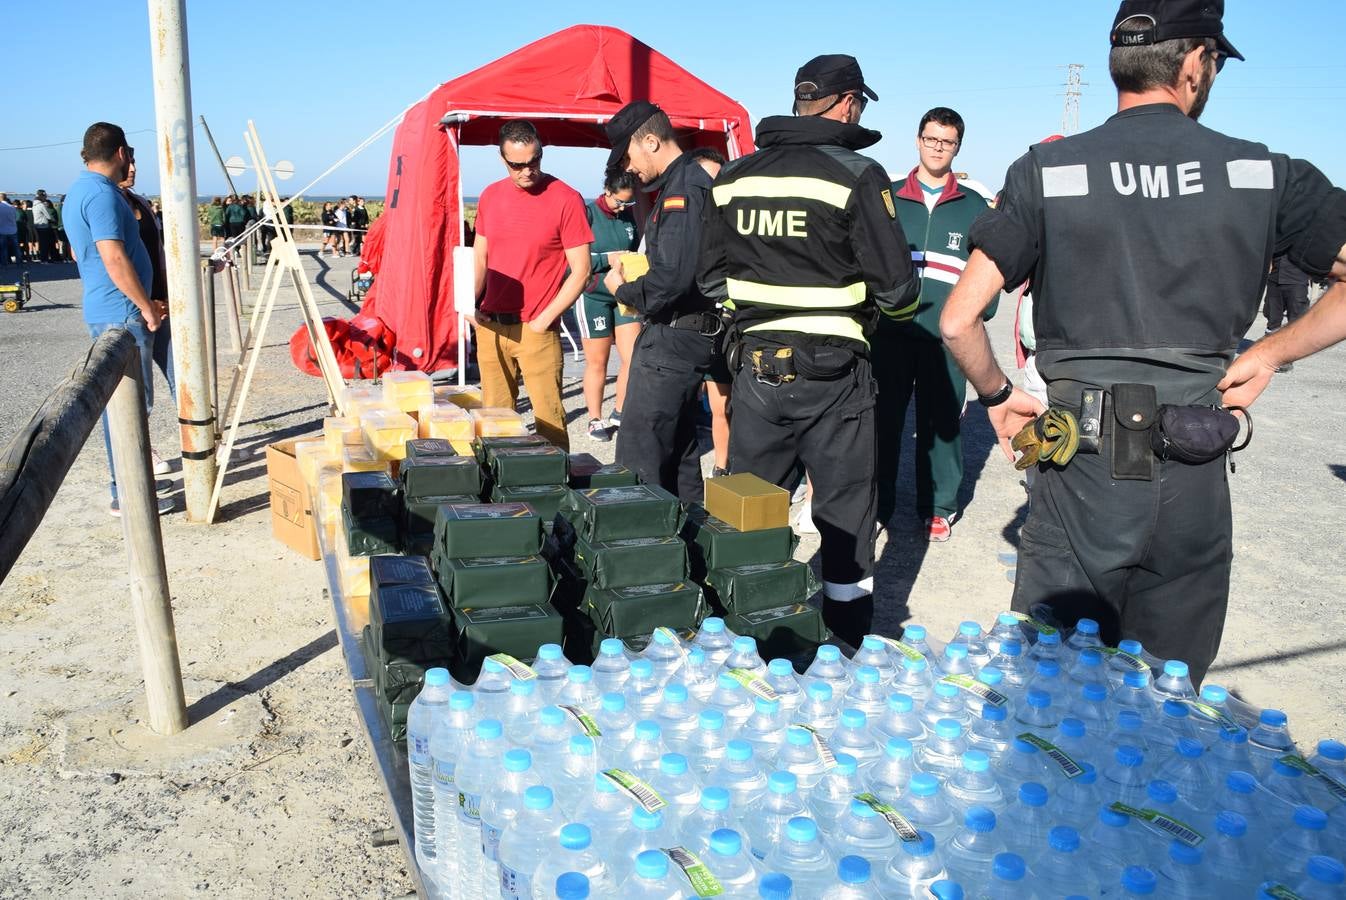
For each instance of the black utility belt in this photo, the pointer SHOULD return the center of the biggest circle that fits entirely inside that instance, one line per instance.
(500, 318)
(781, 364)
(706, 323)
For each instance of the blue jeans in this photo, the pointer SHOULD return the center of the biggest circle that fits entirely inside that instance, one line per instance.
(156, 347)
(9, 249)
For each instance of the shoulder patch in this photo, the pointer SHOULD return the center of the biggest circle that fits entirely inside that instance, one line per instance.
(887, 195)
(678, 202)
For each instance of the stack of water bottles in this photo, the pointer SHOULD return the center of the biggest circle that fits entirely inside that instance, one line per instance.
(1021, 763)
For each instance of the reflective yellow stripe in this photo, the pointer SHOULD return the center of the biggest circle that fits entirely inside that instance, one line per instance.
(795, 297)
(786, 188)
(905, 312)
(835, 326)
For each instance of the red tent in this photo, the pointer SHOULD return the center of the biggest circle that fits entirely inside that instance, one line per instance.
(568, 84)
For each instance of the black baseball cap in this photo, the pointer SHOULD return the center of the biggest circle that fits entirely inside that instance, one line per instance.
(1173, 19)
(624, 124)
(829, 75)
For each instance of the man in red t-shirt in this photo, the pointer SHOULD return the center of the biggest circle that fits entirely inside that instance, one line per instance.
(530, 228)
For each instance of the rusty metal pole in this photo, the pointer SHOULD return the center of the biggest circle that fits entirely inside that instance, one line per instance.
(182, 249)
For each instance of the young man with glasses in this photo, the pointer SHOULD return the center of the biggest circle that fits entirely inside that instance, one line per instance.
(936, 213)
(532, 261)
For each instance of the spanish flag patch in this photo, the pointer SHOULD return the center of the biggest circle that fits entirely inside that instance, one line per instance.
(679, 202)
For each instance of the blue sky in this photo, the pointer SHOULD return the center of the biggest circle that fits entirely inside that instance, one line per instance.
(318, 78)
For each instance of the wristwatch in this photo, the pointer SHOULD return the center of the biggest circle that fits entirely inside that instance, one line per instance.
(998, 397)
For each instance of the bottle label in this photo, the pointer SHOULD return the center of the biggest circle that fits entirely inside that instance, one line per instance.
(515, 885)
(490, 842)
(1164, 824)
(418, 749)
(906, 831)
(974, 687)
(1068, 766)
(825, 753)
(755, 683)
(636, 789)
(1213, 714)
(1279, 892)
(1336, 788)
(1126, 659)
(906, 650)
(444, 773)
(673, 640)
(469, 809)
(584, 721)
(703, 882)
(520, 671)
(1039, 627)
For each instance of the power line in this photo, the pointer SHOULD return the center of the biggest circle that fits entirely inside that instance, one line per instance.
(68, 143)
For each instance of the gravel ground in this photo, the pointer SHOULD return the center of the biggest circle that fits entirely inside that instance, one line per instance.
(271, 791)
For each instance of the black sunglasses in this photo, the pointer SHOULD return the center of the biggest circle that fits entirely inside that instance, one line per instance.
(534, 163)
(1220, 57)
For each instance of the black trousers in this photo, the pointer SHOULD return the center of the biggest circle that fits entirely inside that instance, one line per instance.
(828, 425)
(657, 439)
(46, 244)
(1148, 560)
(1286, 302)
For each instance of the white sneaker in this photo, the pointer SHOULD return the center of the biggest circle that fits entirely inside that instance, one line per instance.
(804, 524)
(160, 466)
(164, 504)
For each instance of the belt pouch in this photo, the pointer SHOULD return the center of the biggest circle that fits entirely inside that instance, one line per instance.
(1194, 434)
(824, 363)
(1091, 420)
(1134, 409)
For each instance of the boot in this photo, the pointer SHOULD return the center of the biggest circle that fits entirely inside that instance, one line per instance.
(849, 620)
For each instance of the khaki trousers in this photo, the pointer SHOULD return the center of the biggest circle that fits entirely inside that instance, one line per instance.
(506, 352)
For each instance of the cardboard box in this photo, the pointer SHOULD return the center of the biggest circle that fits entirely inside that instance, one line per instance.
(747, 502)
(292, 519)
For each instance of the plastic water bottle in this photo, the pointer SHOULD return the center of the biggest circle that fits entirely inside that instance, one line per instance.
(577, 854)
(430, 704)
(607, 811)
(867, 693)
(1128, 728)
(1185, 875)
(818, 709)
(650, 878)
(580, 689)
(864, 832)
(1139, 881)
(943, 752)
(1114, 844)
(731, 864)
(1088, 668)
(733, 699)
(1269, 740)
(1188, 772)
(1010, 661)
(1323, 879)
(765, 728)
(780, 674)
(765, 825)
(519, 712)
(551, 738)
(570, 886)
(830, 800)
(970, 635)
(491, 687)
(574, 782)
(914, 636)
(1120, 663)
(1240, 794)
(974, 785)
(945, 702)
(500, 806)
(1288, 853)
(478, 770)
(551, 667)
(915, 679)
(676, 716)
(1062, 869)
(973, 847)
(1085, 637)
(1078, 799)
(743, 655)
(1007, 877)
(1090, 706)
(1175, 723)
(649, 831)
(1047, 676)
(1231, 856)
(1047, 646)
(1006, 628)
(852, 736)
(705, 748)
(616, 725)
(452, 732)
(873, 652)
(714, 639)
(775, 886)
(1175, 682)
(665, 652)
(916, 865)
(991, 732)
(1330, 759)
(855, 880)
(741, 774)
(801, 755)
(1026, 823)
(530, 837)
(899, 719)
(955, 661)
(1124, 776)
(678, 785)
(1287, 784)
(611, 667)
(1072, 739)
(644, 689)
(711, 814)
(891, 773)
(1038, 712)
(645, 750)
(1023, 763)
(802, 856)
(927, 808)
(697, 675)
(829, 667)
(1134, 695)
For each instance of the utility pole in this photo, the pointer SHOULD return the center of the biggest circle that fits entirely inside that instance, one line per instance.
(182, 250)
(1070, 116)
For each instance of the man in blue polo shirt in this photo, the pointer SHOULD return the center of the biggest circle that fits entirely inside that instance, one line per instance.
(114, 265)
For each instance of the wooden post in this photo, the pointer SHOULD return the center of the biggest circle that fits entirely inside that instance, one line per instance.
(150, 604)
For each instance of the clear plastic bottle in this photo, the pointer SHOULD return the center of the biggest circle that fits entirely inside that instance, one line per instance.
(915, 679)
(1009, 660)
(899, 719)
(430, 705)
(500, 806)
(678, 785)
(1189, 773)
(1175, 723)
(665, 653)
(890, 775)
(1062, 869)
(1088, 668)
(970, 851)
(1024, 825)
(873, 652)
(448, 742)
(1129, 728)
(818, 710)
(650, 878)
(1124, 776)
(765, 728)
(643, 690)
(992, 678)
(830, 800)
(1134, 694)
(478, 770)
(1024, 762)
(1216, 697)
(611, 667)
(1323, 879)
(551, 738)
(955, 661)
(1006, 628)
(970, 635)
(1287, 784)
(649, 831)
(530, 837)
(574, 782)
(914, 636)
(1229, 752)
(1085, 637)
(1090, 706)
(1119, 664)
(1139, 881)
(643, 753)
(1007, 878)
(491, 688)
(943, 752)
(712, 812)
(551, 667)
(607, 812)
(1047, 646)
(1037, 711)
(697, 675)
(705, 748)
(1287, 855)
(676, 716)
(974, 785)
(1078, 799)
(519, 712)
(991, 732)
(570, 886)
(733, 699)
(1073, 740)
(864, 832)
(741, 774)
(715, 640)
(780, 674)
(731, 864)
(577, 854)
(927, 808)
(855, 880)
(802, 856)
(945, 702)
(616, 725)
(1231, 856)
(764, 825)
(1185, 875)
(1330, 759)
(580, 689)
(775, 886)
(867, 693)
(1241, 794)
(1269, 740)
(917, 865)
(743, 655)
(1114, 844)
(828, 666)
(1175, 682)
(853, 736)
(1047, 676)
(801, 755)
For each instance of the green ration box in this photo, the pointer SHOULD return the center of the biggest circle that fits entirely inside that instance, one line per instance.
(632, 561)
(386, 571)
(616, 513)
(713, 544)
(491, 582)
(418, 526)
(521, 466)
(487, 529)
(546, 499)
(409, 620)
(749, 589)
(367, 537)
(484, 445)
(787, 631)
(440, 476)
(394, 715)
(516, 630)
(630, 611)
(587, 472)
(425, 448)
(369, 495)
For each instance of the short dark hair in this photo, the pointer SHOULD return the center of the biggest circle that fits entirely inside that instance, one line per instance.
(707, 153)
(942, 115)
(102, 140)
(1146, 66)
(518, 131)
(615, 180)
(657, 125)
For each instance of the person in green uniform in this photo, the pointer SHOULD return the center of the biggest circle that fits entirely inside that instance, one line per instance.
(936, 213)
(215, 218)
(614, 229)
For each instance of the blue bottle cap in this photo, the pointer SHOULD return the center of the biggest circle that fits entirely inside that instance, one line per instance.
(1090, 657)
(979, 819)
(611, 647)
(1139, 880)
(944, 889)
(1272, 717)
(538, 797)
(1086, 626)
(1214, 693)
(576, 836)
(1094, 692)
(614, 702)
(641, 669)
(1231, 823)
(971, 629)
(1008, 867)
(1032, 794)
(728, 682)
(673, 764)
(1129, 720)
(861, 809)
(713, 625)
(518, 760)
(675, 693)
(1089, 775)
(798, 736)
(1240, 782)
(522, 688)
(745, 644)
(924, 845)
(992, 713)
(1326, 870)
(782, 783)
(763, 705)
(662, 636)
(913, 633)
(1012, 647)
(710, 720)
(846, 764)
(1161, 791)
(491, 666)
(948, 729)
(436, 677)
(780, 667)
(829, 653)
(1049, 668)
(696, 656)
(1007, 619)
(1190, 748)
(1128, 756)
(1310, 818)
(1022, 746)
(1113, 819)
(1136, 679)
(1175, 709)
(647, 730)
(898, 748)
(1333, 750)
(715, 799)
(914, 665)
(581, 745)
(991, 675)
(956, 651)
(801, 829)
(461, 700)
(1039, 699)
(550, 652)
(580, 675)
(651, 864)
(1285, 771)
(923, 784)
(901, 703)
(738, 750)
(1064, 839)
(853, 870)
(644, 820)
(603, 784)
(1071, 727)
(867, 675)
(1236, 735)
(946, 689)
(1175, 668)
(871, 642)
(572, 886)
(1135, 648)
(489, 729)
(725, 842)
(551, 715)
(775, 886)
(1050, 639)
(976, 761)
(820, 691)
(853, 718)
(1184, 855)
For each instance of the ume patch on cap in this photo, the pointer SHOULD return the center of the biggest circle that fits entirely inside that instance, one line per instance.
(678, 202)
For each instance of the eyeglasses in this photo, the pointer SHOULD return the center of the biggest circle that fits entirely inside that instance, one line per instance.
(534, 163)
(622, 204)
(1219, 56)
(861, 99)
(934, 143)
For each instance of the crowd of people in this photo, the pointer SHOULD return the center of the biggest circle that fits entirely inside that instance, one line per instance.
(31, 230)
(344, 224)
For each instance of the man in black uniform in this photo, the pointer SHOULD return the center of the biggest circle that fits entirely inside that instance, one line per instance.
(1147, 241)
(802, 240)
(657, 439)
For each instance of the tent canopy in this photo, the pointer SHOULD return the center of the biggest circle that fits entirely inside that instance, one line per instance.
(568, 85)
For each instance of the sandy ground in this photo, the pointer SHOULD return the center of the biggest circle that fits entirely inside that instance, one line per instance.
(271, 791)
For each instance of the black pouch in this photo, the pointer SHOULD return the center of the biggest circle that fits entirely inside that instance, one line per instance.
(1193, 434)
(1134, 410)
(824, 363)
